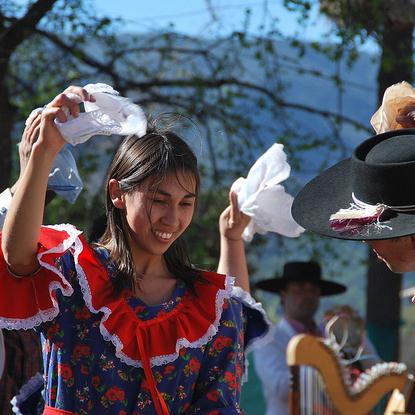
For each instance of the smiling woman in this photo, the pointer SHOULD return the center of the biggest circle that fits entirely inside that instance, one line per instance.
(153, 184)
(129, 326)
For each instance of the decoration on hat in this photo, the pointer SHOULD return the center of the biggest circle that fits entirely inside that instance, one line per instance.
(357, 217)
(264, 199)
(361, 215)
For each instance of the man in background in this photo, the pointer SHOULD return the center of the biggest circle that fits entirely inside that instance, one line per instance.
(300, 288)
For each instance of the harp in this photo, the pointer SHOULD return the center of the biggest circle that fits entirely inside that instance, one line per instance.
(321, 384)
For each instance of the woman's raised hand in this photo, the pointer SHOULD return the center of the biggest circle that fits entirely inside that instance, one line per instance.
(232, 261)
(232, 221)
(25, 215)
(49, 135)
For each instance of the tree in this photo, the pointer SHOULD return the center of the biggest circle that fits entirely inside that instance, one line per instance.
(230, 85)
(390, 24)
(13, 33)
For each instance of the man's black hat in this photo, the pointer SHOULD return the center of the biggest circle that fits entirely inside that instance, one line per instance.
(366, 197)
(301, 271)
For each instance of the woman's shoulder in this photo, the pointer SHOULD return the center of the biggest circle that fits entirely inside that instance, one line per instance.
(214, 290)
(233, 295)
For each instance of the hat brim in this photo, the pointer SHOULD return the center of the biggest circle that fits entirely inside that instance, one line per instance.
(332, 191)
(275, 285)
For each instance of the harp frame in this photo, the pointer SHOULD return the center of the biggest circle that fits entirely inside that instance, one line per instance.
(312, 351)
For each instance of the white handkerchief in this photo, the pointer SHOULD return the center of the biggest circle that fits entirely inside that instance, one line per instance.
(264, 199)
(109, 114)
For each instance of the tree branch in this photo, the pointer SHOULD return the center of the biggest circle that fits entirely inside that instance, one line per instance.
(217, 83)
(24, 27)
(79, 54)
(194, 82)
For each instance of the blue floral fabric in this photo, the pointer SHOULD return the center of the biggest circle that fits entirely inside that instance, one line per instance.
(84, 376)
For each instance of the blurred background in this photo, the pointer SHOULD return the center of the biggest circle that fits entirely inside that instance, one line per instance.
(307, 74)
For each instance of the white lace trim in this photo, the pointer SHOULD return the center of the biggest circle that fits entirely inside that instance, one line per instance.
(34, 383)
(115, 340)
(75, 243)
(246, 298)
(180, 343)
(47, 315)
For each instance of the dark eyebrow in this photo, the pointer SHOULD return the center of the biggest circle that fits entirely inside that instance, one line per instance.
(164, 193)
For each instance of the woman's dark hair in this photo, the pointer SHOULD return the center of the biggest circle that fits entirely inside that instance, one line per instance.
(153, 156)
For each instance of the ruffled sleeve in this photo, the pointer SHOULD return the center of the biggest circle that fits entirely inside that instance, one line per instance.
(28, 301)
(257, 325)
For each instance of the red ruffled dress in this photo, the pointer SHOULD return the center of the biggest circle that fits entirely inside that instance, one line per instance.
(113, 354)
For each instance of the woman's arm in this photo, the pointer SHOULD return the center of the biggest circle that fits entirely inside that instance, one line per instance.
(232, 261)
(29, 137)
(25, 215)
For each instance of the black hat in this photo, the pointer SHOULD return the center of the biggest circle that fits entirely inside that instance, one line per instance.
(371, 194)
(301, 271)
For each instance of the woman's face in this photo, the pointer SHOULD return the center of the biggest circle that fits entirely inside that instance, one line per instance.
(157, 216)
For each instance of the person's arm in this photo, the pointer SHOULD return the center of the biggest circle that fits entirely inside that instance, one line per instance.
(232, 261)
(25, 215)
(29, 137)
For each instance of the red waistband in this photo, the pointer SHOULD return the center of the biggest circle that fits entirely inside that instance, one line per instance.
(53, 411)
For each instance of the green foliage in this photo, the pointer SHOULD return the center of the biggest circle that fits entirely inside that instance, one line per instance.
(203, 235)
(232, 86)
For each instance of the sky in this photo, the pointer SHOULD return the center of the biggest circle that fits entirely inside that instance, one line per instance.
(194, 18)
(213, 17)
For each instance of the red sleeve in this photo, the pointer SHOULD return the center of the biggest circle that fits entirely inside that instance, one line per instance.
(28, 301)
